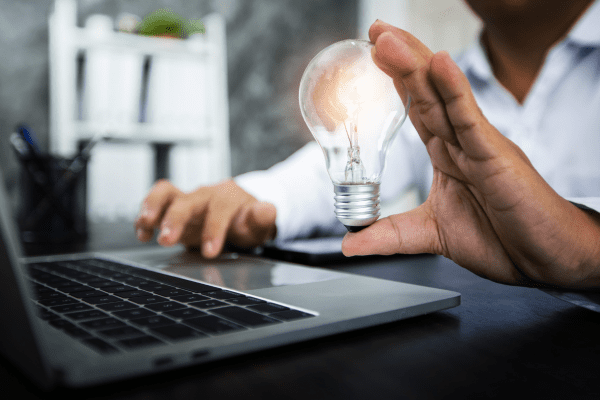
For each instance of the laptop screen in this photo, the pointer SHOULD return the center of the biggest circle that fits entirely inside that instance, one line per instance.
(17, 338)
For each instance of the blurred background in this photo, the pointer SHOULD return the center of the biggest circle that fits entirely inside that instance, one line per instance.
(196, 109)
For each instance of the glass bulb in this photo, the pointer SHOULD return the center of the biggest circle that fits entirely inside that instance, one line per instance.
(353, 111)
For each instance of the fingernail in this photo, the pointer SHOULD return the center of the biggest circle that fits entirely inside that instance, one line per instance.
(139, 234)
(164, 232)
(378, 21)
(207, 249)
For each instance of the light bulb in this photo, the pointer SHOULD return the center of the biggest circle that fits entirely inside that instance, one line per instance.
(354, 112)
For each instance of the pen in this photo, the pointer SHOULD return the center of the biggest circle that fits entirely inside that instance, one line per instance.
(30, 139)
(63, 183)
(19, 146)
(39, 167)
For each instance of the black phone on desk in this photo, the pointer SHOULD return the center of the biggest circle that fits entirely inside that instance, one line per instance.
(313, 251)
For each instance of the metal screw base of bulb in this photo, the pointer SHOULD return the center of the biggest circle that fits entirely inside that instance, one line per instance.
(357, 205)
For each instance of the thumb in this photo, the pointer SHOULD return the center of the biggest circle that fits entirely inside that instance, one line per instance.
(412, 232)
(254, 224)
(262, 216)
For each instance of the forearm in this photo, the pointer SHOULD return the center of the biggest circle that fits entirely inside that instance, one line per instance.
(586, 227)
(571, 252)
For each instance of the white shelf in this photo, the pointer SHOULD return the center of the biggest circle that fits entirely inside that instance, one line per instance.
(185, 104)
(144, 132)
(194, 47)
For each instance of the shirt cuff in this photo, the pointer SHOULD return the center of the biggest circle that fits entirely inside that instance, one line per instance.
(586, 203)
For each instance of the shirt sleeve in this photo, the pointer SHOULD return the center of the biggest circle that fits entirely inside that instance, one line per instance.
(301, 191)
(586, 203)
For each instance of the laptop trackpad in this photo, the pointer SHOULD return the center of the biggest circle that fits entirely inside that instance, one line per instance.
(238, 272)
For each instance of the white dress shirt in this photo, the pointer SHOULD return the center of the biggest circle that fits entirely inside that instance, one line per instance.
(557, 126)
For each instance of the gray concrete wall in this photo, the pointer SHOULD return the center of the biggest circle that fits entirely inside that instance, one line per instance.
(269, 43)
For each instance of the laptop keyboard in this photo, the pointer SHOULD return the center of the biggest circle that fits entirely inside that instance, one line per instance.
(113, 307)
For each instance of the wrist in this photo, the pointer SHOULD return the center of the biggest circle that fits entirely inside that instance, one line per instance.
(586, 227)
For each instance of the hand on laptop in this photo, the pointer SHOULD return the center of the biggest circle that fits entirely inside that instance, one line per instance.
(488, 209)
(206, 217)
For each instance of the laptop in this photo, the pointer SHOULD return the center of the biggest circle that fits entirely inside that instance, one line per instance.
(78, 320)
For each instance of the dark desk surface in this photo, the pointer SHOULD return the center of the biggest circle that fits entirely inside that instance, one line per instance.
(501, 342)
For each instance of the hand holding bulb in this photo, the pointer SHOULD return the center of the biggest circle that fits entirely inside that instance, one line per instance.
(488, 208)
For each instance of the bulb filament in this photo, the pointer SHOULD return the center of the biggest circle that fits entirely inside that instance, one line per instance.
(355, 170)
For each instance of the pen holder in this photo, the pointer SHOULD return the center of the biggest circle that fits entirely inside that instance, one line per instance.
(53, 199)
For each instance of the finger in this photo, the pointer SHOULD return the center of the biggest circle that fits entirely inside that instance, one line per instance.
(409, 64)
(422, 130)
(155, 204)
(217, 220)
(178, 216)
(413, 232)
(468, 123)
(254, 224)
(379, 27)
(144, 235)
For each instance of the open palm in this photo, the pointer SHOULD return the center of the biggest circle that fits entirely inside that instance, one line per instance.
(488, 209)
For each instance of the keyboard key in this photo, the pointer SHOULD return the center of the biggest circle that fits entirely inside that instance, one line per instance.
(290, 315)
(186, 313)
(171, 305)
(103, 323)
(155, 287)
(134, 281)
(177, 283)
(50, 295)
(119, 288)
(42, 289)
(46, 315)
(189, 298)
(127, 280)
(136, 313)
(268, 308)
(118, 306)
(133, 294)
(102, 299)
(114, 275)
(89, 314)
(63, 285)
(172, 292)
(78, 288)
(50, 279)
(88, 293)
(123, 331)
(57, 302)
(148, 300)
(152, 322)
(100, 345)
(84, 277)
(178, 332)
(97, 279)
(244, 316)
(222, 294)
(244, 301)
(71, 308)
(102, 283)
(140, 342)
(208, 304)
(213, 325)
